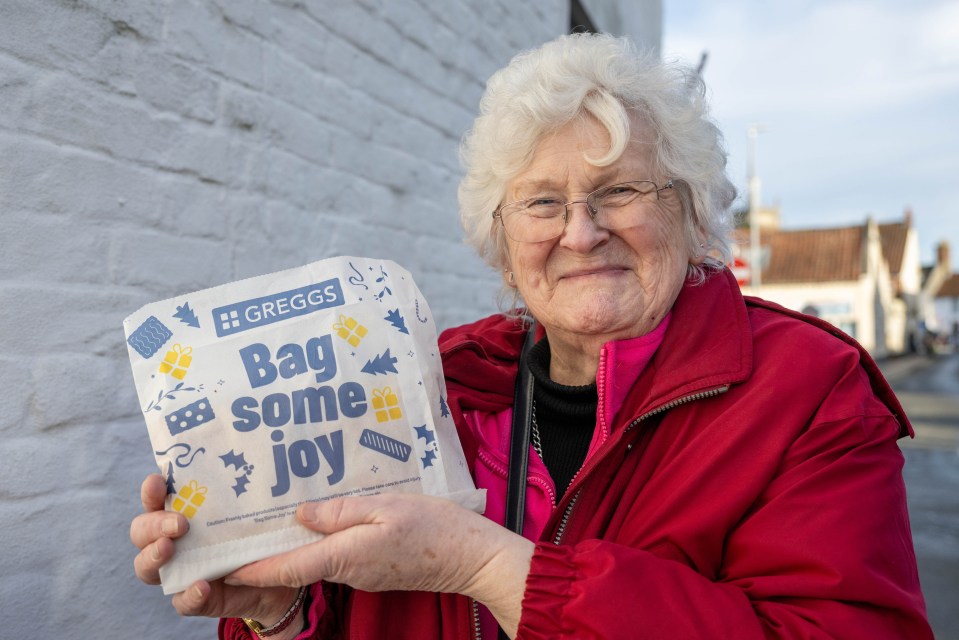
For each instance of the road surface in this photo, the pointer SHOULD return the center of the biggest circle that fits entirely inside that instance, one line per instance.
(929, 392)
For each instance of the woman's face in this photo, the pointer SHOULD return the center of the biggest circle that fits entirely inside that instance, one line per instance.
(590, 281)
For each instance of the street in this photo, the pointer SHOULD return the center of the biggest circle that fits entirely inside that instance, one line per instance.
(929, 392)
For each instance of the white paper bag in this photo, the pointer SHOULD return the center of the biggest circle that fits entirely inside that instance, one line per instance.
(302, 385)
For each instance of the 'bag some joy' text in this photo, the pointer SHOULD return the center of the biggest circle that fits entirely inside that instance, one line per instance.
(302, 385)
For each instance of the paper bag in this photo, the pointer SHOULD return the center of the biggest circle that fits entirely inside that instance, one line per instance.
(303, 385)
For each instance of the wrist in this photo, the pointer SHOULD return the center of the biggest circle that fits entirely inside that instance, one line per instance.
(288, 625)
(501, 581)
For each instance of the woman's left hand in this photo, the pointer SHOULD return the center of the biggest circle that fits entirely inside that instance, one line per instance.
(404, 542)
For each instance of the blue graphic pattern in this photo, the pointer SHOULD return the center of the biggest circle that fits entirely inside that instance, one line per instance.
(149, 337)
(190, 416)
(385, 445)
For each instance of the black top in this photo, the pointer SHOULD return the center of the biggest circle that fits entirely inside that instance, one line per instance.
(566, 417)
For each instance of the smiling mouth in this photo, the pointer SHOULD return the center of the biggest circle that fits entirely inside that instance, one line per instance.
(602, 271)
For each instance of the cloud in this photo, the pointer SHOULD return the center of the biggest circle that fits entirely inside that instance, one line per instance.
(858, 99)
(788, 57)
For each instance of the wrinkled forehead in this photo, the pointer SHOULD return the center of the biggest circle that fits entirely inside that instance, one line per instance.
(587, 145)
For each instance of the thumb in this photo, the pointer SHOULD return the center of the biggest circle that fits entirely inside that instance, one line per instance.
(315, 561)
(338, 514)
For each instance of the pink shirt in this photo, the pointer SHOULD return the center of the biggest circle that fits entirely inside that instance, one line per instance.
(620, 363)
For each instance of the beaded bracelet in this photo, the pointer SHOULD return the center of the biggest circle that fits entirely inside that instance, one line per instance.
(284, 622)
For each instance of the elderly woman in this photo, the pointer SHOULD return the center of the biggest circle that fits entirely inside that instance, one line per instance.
(702, 465)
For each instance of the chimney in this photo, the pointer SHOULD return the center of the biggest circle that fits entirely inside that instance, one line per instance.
(907, 217)
(942, 255)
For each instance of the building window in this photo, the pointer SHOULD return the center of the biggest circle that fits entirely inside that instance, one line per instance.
(579, 21)
(849, 328)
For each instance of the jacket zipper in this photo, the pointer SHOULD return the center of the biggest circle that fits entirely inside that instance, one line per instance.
(601, 396)
(476, 633)
(476, 620)
(561, 529)
(531, 478)
(568, 512)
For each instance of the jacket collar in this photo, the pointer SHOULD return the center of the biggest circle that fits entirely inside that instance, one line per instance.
(708, 345)
(480, 359)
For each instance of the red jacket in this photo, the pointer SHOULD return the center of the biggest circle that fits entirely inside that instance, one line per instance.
(747, 484)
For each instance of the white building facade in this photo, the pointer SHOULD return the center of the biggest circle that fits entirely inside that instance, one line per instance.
(839, 275)
(866, 280)
(152, 148)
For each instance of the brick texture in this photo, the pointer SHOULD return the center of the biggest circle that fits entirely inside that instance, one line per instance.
(151, 148)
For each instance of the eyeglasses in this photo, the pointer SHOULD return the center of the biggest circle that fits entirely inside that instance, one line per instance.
(544, 217)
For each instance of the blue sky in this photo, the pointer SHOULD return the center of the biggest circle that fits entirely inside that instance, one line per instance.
(859, 102)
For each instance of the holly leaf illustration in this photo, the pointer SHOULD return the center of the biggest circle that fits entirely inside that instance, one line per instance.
(240, 485)
(427, 459)
(233, 459)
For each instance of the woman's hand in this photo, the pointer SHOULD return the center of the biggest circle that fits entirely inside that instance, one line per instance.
(154, 531)
(404, 542)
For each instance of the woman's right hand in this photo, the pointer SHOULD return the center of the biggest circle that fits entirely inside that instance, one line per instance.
(154, 531)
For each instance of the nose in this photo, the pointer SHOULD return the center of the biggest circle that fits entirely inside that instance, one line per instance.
(582, 233)
(589, 208)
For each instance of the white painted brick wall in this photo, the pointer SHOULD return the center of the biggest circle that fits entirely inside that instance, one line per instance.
(149, 148)
(154, 147)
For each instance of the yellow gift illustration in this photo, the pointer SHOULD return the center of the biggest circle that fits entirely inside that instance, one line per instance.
(189, 499)
(350, 330)
(176, 361)
(386, 405)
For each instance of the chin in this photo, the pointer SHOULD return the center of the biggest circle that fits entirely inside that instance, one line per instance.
(601, 315)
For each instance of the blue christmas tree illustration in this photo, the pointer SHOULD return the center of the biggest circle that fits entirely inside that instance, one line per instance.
(383, 363)
(170, 484)
(185, 315)
(444, 408)
(395, 319)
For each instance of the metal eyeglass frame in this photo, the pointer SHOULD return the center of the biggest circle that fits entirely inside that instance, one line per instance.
(593, 211)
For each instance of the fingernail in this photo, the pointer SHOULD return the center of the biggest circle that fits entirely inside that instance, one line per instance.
(155, 552)
(196, 593)
(170, 526)
(309, 512)
(233, 582)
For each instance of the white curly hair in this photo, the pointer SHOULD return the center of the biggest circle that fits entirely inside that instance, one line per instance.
(605, 77)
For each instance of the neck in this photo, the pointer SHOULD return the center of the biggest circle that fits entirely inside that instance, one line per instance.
(574, 362)
(575, 357)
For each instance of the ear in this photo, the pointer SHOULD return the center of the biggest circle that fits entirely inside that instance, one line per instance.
(699, 257)
(509, 278)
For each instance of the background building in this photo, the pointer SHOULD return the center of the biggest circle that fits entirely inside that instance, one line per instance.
(865, 279)
(947, 310)
(151, 148)
(939, 298)
(900, 248)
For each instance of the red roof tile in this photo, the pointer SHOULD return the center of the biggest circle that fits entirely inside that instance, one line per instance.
(949, 288)
(814, 255)
(893, 237)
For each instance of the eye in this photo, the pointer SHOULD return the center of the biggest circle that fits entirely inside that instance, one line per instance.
(542, 202)
(616, 195)
(620, 195)
(544, 207)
